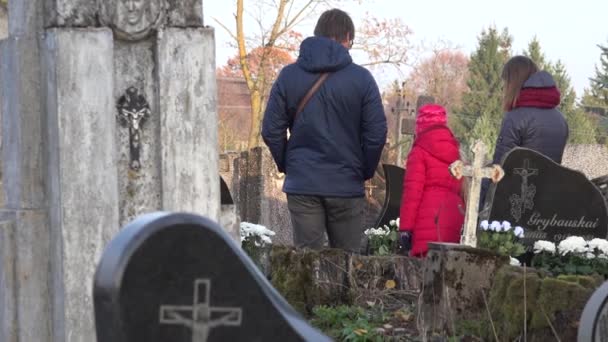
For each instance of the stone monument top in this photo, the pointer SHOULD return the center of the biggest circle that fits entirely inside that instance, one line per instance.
(132, 19)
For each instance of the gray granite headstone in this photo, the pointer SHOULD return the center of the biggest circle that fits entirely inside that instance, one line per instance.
(593, 325)
(179, 277)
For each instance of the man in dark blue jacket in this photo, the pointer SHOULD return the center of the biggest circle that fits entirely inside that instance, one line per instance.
(335, 142)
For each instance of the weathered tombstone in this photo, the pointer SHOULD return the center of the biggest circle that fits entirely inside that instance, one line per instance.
(394, 189)
(550, 201)
(108, 111)
(593, 325)
(179, 277)
(260, 194)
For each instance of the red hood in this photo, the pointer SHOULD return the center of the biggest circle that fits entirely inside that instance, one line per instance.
(440, 143)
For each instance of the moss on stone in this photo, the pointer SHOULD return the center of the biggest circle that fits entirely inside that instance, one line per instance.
(549, 301)
(307, 278)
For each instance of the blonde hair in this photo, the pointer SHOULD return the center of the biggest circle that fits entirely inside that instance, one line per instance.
(515, 73)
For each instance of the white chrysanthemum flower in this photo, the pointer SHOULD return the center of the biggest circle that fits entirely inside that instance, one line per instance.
(572, 244)
(518, 231)
(495, 226)
(393, 223)
(544, 246)
(398, 222)
(515, 262)
(506, 226)
(248, 229)
(484, 224)
(589, 255)
(600, 244)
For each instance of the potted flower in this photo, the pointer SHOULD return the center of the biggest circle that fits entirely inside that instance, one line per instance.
(501, 238)
(383, 240)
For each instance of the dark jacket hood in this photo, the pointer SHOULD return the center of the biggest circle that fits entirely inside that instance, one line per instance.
(440, 143)
(541, 79)
(320, 54)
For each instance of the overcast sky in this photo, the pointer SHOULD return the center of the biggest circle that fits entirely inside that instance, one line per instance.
(567, 30)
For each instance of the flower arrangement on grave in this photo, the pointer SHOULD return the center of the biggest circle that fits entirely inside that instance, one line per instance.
(501, 238)
(255, 237)
(574, 255)
(383, 240)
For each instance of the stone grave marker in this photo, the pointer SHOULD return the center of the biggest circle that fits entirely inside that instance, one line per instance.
(108, 111)
(394, 189)
(179, 277)
(549, 201)
(593, 325)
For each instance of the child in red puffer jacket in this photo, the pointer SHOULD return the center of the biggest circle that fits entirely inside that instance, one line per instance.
(432, 208)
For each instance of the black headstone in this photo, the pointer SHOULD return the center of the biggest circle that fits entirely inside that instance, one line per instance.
(180, 277)
(394, 189)
(593, 325)
(225, 196)
(550, 201)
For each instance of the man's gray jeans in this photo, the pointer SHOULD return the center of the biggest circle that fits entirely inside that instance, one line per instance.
(340, 218)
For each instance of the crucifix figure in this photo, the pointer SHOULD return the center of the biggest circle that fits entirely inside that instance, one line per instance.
(133, 110)
(519, 203)
(476, 172)
(201, 317)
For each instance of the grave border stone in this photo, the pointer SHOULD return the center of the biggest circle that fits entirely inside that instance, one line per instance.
(116, 257)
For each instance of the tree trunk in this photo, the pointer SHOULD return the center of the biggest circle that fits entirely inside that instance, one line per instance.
(256, 120)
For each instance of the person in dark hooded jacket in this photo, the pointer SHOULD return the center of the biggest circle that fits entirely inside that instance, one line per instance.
(335, 142)
(532, 119)
(431, 206)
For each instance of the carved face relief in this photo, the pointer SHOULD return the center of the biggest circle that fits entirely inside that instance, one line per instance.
(132, 19)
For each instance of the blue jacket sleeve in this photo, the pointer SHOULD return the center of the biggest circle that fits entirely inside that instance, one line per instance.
(373, 128)
(275, 124)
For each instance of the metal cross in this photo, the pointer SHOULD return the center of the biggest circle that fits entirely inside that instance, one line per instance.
(201, 317)
(133, 111)
(476, 172)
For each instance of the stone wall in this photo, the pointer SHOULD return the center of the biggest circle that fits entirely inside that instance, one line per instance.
(592, 160)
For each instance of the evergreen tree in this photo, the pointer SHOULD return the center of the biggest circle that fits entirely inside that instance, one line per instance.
(482, 104)
(599, 83)
(534, 53)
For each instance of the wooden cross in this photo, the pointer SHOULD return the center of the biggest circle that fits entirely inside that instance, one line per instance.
(476, 172)
(201, 317)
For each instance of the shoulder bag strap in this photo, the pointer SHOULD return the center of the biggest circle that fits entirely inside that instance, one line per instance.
(310, 93)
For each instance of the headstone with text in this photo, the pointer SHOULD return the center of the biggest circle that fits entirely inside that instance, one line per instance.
(549, 201)
(179, 277)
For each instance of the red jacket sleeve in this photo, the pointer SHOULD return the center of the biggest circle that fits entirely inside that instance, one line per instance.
(413, 187)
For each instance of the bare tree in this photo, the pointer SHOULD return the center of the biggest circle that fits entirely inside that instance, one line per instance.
(276, 20)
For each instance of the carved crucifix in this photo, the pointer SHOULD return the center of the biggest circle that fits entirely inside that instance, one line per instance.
(525, 200)
(201, 317)
(133, 110)
(476, 172)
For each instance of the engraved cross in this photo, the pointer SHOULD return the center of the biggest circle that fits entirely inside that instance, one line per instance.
(201, 317)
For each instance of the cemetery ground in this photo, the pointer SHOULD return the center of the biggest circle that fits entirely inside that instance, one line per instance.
(515, 283)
